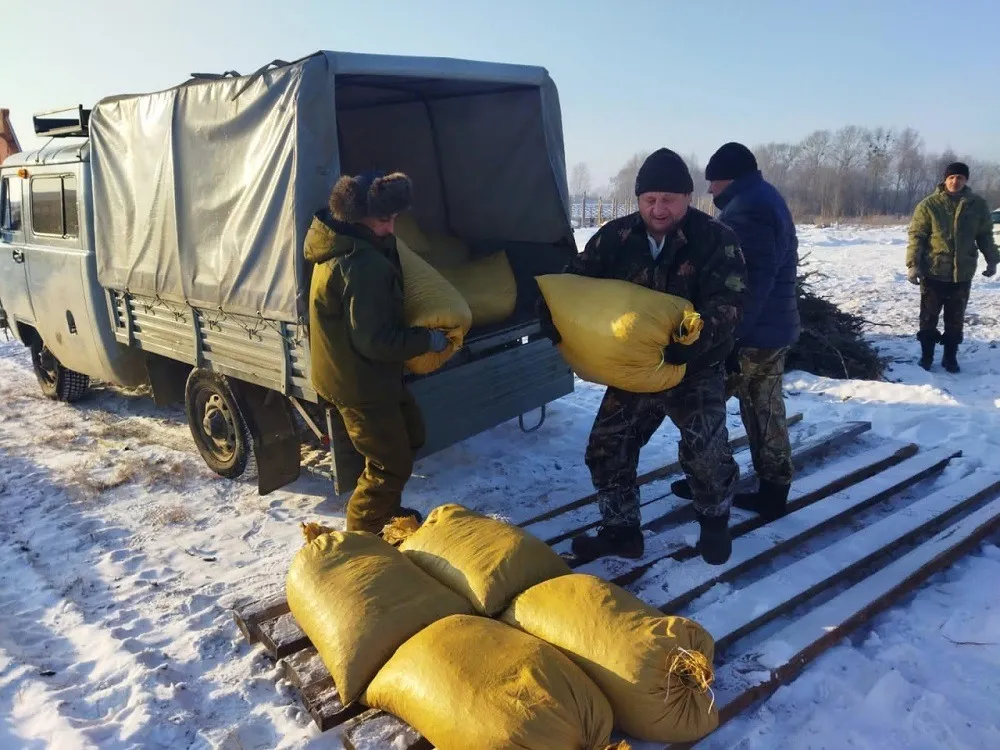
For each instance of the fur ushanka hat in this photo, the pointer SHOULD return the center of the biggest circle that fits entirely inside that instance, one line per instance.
(370, 195)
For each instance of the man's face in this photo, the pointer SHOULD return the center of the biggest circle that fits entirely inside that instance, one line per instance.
(954, 183)
(661, 211)
(715, 187)
(381, 227)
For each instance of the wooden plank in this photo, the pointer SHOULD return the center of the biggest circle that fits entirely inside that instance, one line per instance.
(376, 730)
(282, 636)
(784, 655)
(661, 545)
(810, 450)
(248, 616)
(677, 584)
(305, 668)
(771, 597)
(662, 472)
(306, 671)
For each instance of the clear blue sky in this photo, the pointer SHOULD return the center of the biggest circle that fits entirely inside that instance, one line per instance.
(689, 75)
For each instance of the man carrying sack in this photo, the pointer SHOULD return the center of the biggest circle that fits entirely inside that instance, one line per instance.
(359, 339)
(675, 249)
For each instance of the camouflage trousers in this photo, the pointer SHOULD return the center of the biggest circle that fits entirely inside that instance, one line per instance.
(950, 296)
(762, 408)
(626, 421)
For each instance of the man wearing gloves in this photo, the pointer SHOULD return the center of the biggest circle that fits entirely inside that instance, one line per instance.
(359, 339)
(946, 229)
(758, 214)
(673, 248)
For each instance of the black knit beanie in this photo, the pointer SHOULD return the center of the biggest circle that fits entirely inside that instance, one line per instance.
(663, 172)
(732, 161)
(957, 167)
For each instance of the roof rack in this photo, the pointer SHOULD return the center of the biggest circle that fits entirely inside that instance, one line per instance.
(74, 124)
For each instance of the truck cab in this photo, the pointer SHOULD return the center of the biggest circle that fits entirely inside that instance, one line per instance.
(49, 291)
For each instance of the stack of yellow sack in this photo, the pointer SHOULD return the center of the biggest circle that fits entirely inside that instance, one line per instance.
(614, 332)
(477, 634)
(487, 284)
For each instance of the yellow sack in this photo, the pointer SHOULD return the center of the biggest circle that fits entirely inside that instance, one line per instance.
(614, 332)
(431, 302)
(487, 561)
(358, 599)
(488, 285)
(471, 683)
(655, 670)
(438, 249)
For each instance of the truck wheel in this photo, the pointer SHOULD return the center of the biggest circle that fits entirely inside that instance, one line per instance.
(217, 425)
(57, 382)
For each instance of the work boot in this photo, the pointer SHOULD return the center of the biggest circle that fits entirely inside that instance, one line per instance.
(714, 544)
(950, 359)
(617, 541)
(770, 501)
(926, 354)
(682, 488)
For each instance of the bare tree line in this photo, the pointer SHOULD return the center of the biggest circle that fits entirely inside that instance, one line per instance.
(853, 172)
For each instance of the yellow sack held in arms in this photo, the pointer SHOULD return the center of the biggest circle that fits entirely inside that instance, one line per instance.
(614, 332)
(472, 683)
(487, 561)
(430, 301)
(488, 285)
(359, 599)
(655, 670)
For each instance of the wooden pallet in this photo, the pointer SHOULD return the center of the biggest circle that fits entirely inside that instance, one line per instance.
(671, 574)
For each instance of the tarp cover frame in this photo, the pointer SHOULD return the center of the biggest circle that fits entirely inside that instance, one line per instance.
(203, 192)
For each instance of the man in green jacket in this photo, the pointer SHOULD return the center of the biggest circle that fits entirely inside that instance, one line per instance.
(359, 339)
(946, 229)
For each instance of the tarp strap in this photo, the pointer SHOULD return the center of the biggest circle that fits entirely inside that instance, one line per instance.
(257, 74)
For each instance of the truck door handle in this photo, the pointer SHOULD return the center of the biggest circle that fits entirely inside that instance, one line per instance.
(18, 255)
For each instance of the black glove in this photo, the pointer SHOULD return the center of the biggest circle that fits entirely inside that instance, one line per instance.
(548, 328)
(678, 354)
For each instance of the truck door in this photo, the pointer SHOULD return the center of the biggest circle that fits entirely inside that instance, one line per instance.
(14, 296)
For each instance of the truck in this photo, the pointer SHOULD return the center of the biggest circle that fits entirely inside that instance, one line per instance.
(156, 240)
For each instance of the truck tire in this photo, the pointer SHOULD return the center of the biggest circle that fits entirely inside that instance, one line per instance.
(217, 424)
(57, 382)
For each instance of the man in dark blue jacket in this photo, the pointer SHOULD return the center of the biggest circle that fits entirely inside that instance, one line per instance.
(755, 210)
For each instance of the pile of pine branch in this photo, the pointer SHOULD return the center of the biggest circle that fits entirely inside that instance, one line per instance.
(832, 343)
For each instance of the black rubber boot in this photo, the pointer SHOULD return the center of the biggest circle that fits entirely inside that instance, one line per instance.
(715, 544)
(950, 359)
(610, 541)
(770, 501)
(682, 489)
(926, 354)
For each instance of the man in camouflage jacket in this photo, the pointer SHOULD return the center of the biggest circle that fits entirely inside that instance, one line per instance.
(673, 248)
(948, 230)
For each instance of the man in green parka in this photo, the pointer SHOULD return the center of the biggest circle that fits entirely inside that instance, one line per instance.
(359, 339)
(948, 230)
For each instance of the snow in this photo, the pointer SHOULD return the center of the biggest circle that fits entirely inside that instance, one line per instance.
(121, 554)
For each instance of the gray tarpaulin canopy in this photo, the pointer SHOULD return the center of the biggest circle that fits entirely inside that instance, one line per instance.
(203, 192)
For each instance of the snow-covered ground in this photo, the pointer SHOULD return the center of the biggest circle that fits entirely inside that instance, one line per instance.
(120, 552)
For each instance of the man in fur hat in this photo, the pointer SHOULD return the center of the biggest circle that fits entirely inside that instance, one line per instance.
(359, 339)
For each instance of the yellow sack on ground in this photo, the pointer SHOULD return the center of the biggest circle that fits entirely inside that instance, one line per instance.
(488, 285)
(359, 599)
(487, 561)
(430, 301)
(614, 332)
(471, 683)
(655, 670)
